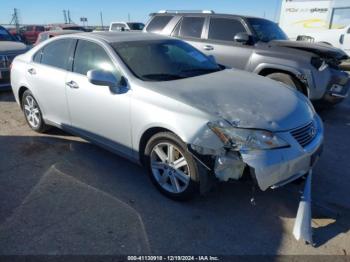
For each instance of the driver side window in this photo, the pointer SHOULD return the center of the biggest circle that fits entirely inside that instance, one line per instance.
(91, 56)
(225, 29)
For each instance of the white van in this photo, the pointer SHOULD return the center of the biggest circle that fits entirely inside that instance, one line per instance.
(326, 21)
(126, 26)
(339, 38)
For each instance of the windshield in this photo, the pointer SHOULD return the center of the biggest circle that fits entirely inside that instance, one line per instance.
(160, 60)
(136, 26)
(5, 35)
(266, 30)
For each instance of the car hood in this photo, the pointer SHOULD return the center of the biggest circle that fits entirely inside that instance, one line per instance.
(323, 50)
(244, 99)
(12, 47)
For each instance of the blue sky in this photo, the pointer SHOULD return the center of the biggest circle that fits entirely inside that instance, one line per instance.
(48, 11)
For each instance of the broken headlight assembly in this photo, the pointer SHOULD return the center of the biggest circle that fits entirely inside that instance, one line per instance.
(319, 63)
(246, 139)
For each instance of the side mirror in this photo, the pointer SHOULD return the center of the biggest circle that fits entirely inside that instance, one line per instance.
(102, 78)
(242, 38)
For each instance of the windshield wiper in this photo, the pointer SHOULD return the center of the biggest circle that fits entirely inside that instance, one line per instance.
(162, 76)
(200, 70)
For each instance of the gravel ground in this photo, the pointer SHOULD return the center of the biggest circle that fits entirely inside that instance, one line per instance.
(62, 195)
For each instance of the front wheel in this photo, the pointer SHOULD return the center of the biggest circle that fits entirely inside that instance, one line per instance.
(171, 167)
(288, 80)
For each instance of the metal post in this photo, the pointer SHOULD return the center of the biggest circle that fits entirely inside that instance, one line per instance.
(302, 226)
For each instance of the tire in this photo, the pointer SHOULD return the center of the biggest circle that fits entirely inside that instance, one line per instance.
(177, 183)
(32, 112)
(288, 80)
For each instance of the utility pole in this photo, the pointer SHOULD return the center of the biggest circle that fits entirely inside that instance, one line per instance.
(101, 20)
(128, 17)
(69, 19)
(65, 16)
(15, 19)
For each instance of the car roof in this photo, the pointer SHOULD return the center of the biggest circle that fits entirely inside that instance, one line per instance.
(61, 32)
(114, 37)
(203, 14)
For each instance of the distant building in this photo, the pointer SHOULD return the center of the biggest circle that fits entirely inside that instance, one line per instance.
(300, 17)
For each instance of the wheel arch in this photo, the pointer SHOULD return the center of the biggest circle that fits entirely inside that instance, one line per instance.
(146, 136)
(270, 70)
(21, 91)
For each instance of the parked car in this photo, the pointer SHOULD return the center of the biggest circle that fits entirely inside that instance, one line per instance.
(126, 26)
(339, 38)
(52, 27)
(29, 33)
(49, 34)
(260, 46)
(161, 102)
(9, 48)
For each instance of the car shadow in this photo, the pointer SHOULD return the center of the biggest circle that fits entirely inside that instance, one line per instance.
(222, 222)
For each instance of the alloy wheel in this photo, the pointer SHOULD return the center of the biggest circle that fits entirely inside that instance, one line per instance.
(32, 111)
(170, 168)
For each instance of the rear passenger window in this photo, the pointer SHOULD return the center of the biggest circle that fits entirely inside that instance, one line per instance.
(91, 56)
(57, 53)
(158, 23)
(190, 27)
(224, 29)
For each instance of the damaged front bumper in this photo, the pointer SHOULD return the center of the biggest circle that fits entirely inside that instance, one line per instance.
(338, 88)
(330, 86)
(269, 168)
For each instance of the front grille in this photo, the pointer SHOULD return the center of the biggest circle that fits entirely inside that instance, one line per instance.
(5, 77)
(6, 60)
(10, 58)
(304, 135)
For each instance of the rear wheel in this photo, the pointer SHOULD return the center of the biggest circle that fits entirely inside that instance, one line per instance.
(33, 113)
(171, 167)
(288, 80)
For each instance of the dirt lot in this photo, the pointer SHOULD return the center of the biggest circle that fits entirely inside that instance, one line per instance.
(62, 195)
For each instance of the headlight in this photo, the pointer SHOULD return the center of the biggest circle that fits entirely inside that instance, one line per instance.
(246, 139)
(3, 62)
(318, 63)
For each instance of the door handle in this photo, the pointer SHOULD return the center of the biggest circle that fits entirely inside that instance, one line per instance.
(72, 84)
(31, 71)
(208, 47)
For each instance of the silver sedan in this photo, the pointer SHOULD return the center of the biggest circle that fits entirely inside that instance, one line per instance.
(162, 103)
